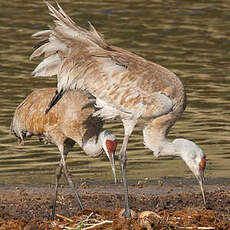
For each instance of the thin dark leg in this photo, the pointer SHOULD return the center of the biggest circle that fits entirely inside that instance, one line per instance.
(68, 178)
(123, 159)
(58, 176)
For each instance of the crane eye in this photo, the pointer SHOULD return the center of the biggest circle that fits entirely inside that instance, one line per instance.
(111, 145)
(203, 163)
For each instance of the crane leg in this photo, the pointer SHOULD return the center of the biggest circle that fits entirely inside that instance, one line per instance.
(58, 176)
(128, 127)
(123, 160)
(69, 179)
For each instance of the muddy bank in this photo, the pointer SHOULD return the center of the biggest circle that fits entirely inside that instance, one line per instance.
(177, 202)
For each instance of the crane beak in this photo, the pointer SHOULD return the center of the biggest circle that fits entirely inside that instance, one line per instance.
(112, 161)
(200, 179)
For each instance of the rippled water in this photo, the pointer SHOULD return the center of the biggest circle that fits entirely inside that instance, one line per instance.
(190, 38)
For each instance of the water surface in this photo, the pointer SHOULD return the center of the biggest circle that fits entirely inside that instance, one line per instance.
(190, 38)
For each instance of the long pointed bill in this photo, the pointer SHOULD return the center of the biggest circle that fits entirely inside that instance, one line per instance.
(55, 99)
(200, 179)
(112, 161)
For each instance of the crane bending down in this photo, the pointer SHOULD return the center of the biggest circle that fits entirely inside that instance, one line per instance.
(70, 121)
(126, 86)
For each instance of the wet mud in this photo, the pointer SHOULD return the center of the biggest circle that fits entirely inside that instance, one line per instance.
(159, 204)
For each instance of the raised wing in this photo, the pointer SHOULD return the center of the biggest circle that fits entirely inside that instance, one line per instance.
(82, 59)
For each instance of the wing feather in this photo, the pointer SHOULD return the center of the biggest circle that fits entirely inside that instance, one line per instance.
(48, 67)
(82, 59)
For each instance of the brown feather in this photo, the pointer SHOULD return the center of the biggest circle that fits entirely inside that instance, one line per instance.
(66, 121)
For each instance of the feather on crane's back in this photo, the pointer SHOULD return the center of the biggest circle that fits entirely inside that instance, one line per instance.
(70, 120)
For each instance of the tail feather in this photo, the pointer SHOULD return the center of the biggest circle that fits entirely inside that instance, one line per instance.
(45, 48)
(55, 99)
(77, 32)
(50, 48)
(48, 67)
(59, 42)
(42, 34)
(62, 18)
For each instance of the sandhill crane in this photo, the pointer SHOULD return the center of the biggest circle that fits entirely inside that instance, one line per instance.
(70, 121)
(126, 86)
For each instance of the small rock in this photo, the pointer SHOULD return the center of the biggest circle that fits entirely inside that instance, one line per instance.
(148, 219)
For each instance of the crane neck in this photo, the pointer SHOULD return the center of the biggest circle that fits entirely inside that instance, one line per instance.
(93, 146)
(156, 141)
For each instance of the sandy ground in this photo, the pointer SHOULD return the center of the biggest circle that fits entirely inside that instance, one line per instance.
(174, 204)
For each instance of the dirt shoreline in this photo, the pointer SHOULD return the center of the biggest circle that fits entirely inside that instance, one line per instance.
(165, 197)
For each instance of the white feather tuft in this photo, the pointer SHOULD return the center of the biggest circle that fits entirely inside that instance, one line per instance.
(44, 68)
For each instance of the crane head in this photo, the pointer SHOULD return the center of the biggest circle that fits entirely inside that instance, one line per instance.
(195, 159)
(109, 146)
